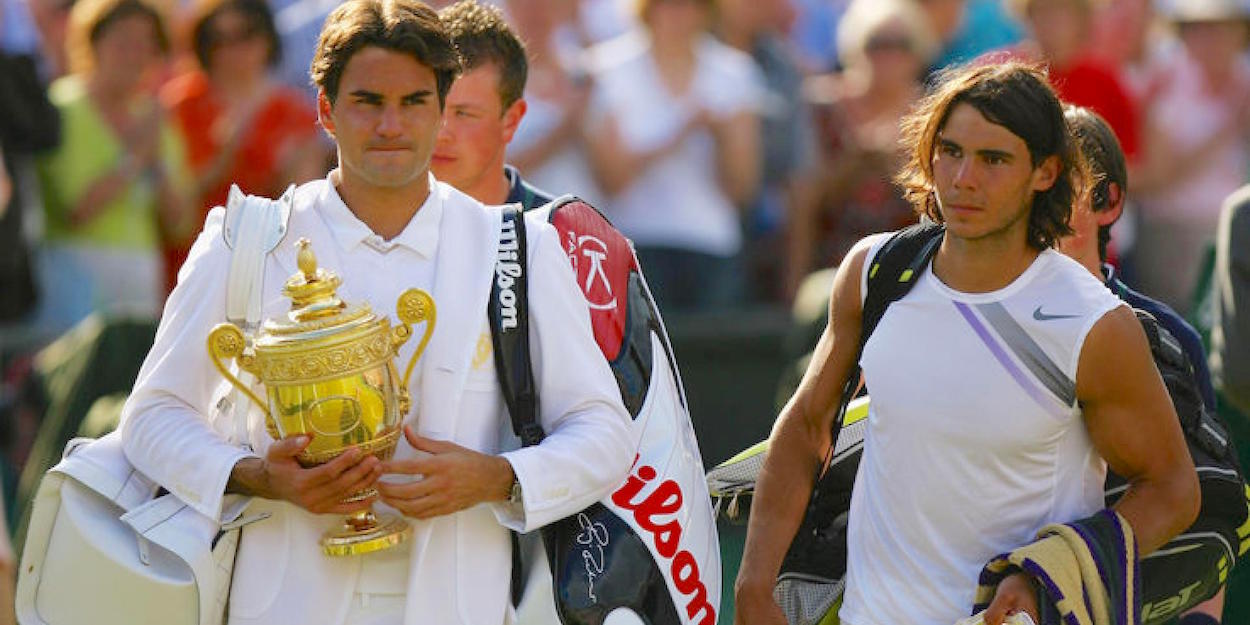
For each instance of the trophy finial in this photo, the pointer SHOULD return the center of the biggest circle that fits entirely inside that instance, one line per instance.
(306, 259)
(311, 288)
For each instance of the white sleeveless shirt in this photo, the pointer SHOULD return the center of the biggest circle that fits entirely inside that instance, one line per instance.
(975, 439)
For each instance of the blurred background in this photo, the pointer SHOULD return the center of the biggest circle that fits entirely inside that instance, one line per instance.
(122, 122)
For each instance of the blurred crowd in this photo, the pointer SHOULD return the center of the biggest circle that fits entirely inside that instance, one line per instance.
(740, 143)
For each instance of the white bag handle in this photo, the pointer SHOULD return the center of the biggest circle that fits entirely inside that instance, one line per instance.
(253, 227)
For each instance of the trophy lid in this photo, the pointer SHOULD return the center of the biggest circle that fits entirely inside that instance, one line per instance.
(316, 310)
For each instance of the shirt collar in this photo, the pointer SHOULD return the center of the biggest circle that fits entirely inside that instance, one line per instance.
(420, 235)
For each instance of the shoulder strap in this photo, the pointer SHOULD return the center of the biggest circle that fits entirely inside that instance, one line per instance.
(252, 229)
(508, 312)
(891, 275)
(894, 269)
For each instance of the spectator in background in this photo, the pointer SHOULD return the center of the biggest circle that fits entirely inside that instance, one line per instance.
(886, 46)
(1196, 146)
(969, 28)
(814, 32)
(51, 19)
(241, 126)
(1128, 38)
(1060, 35)
(118, 174)
(786, 142)
(674, 142)
(28, 124)
(550, 143)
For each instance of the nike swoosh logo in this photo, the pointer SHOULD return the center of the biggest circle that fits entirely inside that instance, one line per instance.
(1041, 316)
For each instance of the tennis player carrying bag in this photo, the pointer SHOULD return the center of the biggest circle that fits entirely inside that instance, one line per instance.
(650, 548)
(1189, 569)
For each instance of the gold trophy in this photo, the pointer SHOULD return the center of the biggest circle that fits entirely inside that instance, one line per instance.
(329, 370)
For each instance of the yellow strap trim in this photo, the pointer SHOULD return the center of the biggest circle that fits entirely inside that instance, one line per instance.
(872, 273)
(907, 273)
(1243, 532)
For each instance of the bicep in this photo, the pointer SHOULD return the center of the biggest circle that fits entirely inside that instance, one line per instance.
(1128, 412)
(818, 394)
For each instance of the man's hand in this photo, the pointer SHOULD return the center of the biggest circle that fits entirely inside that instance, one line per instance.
(1015, 594)
(453, 478)
(319, 490)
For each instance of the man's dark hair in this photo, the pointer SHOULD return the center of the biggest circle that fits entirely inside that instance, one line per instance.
(1105, 158)
(482, 36)
(1018, 97)
(405, 26)
(257, 15)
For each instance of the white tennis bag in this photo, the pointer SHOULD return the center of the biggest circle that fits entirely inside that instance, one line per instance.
(647, 553)
(101, 547)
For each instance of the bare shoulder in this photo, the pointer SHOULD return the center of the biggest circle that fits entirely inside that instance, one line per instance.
(1115, 352)
(848, 283)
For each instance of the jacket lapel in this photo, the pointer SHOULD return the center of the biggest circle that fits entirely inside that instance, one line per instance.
(468, 239)
(307, 223)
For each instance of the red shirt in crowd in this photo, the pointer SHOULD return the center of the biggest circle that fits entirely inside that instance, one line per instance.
(283, 122)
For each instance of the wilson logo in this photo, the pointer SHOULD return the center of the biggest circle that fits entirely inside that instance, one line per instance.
(507, 270)
(665, 501)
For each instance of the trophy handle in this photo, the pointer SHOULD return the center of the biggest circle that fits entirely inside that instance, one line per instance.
(414, 307)
(226, 341)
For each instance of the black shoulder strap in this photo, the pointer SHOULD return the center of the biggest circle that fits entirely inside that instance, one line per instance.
(891, 274)
(895, 268)
(508, 311)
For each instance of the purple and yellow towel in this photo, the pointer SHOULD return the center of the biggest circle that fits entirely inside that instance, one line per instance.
(1087, 572)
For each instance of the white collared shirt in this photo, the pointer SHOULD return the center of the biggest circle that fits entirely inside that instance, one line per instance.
(373, 271)
(376, 270)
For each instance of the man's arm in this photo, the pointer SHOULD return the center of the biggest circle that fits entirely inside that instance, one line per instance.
(1133, 425)
(796, 447)
(165, 426)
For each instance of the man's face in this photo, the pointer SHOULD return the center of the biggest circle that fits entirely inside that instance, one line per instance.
(983, 177)
(385, 119)
(476, 130)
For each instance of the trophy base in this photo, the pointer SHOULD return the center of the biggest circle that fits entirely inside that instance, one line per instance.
(346, 540)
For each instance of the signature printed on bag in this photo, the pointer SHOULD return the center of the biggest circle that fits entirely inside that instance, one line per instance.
(594, 537)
